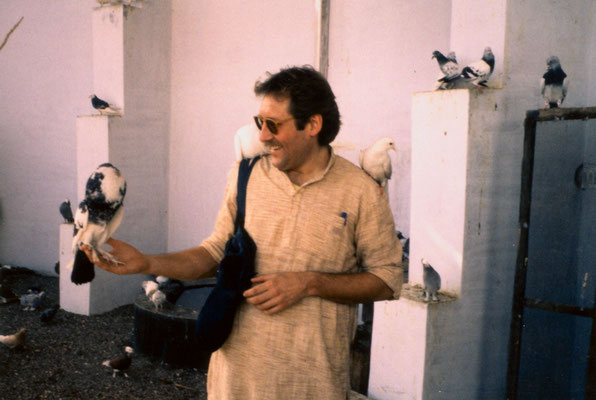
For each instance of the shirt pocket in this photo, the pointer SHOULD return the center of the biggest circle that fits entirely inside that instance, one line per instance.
(325, 237)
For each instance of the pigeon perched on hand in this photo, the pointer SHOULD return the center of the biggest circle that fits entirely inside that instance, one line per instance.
(16, 340)
(120, 364)
(104, 107)
(478, 72)
(449, 69)
(32, 300)
(431, 281)
(554, 83)
(66, 211)
(247, 143)
(376, 162)
(96, 219)
(47, 315)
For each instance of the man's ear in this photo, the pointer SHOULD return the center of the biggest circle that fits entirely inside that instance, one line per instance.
(315, 124)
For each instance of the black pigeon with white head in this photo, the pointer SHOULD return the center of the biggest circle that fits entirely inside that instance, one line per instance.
(96, 219)
(449, 69)
(120, 364)
(66, 211)
(104, 107)
(478, 72)
(554, 83)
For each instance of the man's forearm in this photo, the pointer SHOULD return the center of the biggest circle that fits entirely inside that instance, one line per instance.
(362, 287)
(195, 263)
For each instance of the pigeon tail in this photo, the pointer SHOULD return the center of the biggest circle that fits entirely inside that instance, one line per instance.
(83, 270)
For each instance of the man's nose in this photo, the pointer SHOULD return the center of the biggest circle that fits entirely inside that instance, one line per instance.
(264, 134)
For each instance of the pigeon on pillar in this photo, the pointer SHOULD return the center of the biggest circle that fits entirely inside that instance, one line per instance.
(376, 162)
(449, 69)
(66, 211)
(104, 107)
(97, 217)
(431, 281)
(478, 72)
(554, 83)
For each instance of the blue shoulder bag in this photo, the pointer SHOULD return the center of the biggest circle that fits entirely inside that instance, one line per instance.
(237, 267)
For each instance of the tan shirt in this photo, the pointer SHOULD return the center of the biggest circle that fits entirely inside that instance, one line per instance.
(338, 222)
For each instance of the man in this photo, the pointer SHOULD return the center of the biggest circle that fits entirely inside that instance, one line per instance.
(325, 241)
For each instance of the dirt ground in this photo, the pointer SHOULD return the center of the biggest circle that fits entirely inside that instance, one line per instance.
(62, 359)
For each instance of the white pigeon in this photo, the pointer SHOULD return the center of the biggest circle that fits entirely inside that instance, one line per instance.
(554, 83)
(449, 69)
(15, 340)
(247, 143)
(150, 287)
(431, 281)
(96, 219)
(376, 162)
(478, 72)
(104, 107)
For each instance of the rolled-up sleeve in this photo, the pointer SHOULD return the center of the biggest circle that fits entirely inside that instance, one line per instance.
(224, 223)
(379, 251)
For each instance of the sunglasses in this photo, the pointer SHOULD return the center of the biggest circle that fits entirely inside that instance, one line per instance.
(272, 125)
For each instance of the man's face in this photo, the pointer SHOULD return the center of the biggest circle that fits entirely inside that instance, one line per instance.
(290, 148)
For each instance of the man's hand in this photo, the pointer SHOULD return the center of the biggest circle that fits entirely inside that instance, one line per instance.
(273, 293)
(130, 260)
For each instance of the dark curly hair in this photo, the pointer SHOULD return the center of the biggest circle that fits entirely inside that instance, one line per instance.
(309, 94)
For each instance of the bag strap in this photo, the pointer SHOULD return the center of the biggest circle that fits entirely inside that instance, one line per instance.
(246, 166)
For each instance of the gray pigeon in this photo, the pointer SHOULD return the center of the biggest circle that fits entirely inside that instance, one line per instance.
(478, 73)
(449, 69)
(66, 211)
(96, 219)
(554, 83)
(431, 281)
(32, 300)
(376, 162)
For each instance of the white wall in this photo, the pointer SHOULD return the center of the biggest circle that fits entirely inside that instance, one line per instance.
(219, 50)
(378, 57)
(46, 70)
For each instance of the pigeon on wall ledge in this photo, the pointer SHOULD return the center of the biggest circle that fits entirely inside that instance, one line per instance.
(554, 83)
(431, 281)
(104, 107)
(96, 219)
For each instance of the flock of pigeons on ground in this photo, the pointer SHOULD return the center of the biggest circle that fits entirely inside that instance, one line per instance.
(553, 84)
(32, 300)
